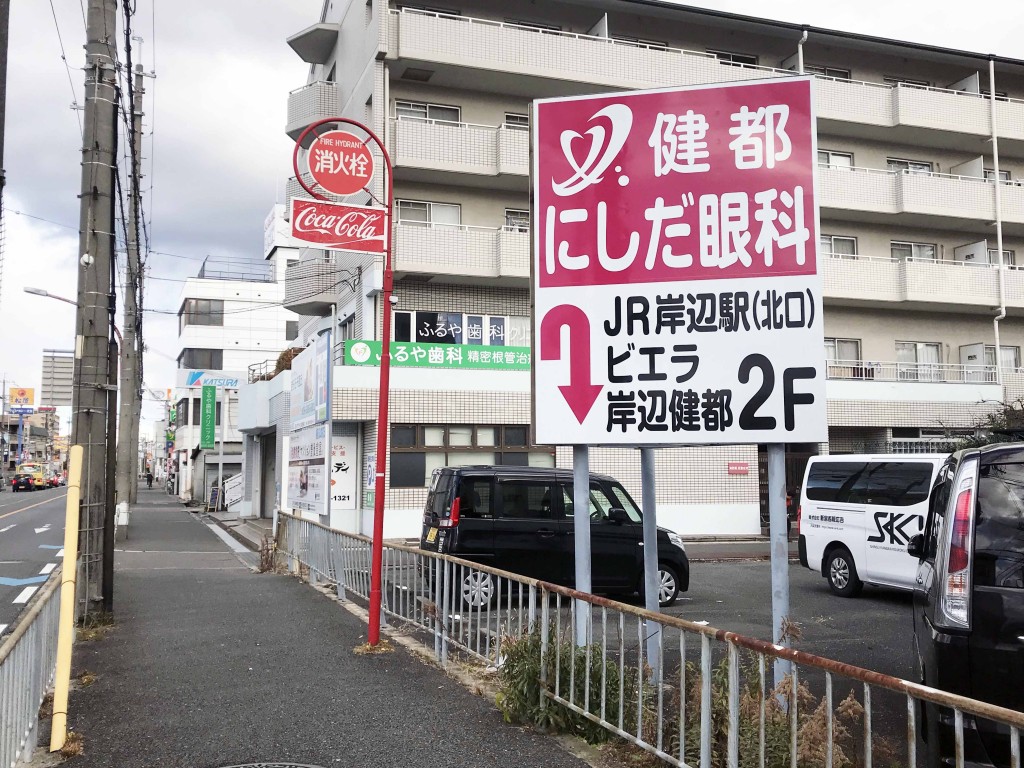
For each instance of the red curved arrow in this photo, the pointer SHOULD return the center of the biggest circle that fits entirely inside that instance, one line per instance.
(580, 393)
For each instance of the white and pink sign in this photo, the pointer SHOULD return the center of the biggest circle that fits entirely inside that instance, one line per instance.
(338, 227)
(676, 287)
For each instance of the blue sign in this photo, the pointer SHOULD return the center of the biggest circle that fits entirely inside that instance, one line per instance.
(22, 410)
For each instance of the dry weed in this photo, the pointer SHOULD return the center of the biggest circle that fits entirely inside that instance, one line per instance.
(74, 745)
(384, 646)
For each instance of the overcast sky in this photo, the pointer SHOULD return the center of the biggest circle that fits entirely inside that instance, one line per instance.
(216, 156)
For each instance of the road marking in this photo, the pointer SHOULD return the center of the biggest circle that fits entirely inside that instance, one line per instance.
(5, 530)
(30, 506)
(60, 552)
(9, 582)
(2, 628)
(48, 568)
(44, 529)
(25, 594)
(235, 546)
(49, 546)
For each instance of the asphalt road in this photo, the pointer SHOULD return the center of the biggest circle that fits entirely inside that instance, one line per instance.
(31, 536)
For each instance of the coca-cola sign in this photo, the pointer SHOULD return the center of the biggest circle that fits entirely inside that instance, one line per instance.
(338, 227)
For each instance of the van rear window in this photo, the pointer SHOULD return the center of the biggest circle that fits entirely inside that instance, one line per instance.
(437, 499)
(834, 480)
(999, 530)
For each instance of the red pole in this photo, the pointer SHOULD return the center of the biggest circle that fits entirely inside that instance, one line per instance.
(377, 546)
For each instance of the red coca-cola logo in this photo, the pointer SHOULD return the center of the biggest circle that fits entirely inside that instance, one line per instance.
(340, 162)
(339, 227)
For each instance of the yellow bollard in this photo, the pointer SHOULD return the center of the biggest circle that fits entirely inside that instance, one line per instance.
(66, 631)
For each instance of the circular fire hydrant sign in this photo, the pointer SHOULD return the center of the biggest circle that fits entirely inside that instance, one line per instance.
(340, 162)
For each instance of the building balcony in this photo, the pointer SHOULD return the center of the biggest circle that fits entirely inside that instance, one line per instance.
(462, 148)
(926, 284)
(312, 285)
(503, 47)
(929, 199)
(461, 251)
(887, 382)
(308, 104)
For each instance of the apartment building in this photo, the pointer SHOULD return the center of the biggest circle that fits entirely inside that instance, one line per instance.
(924, 317)
(230, 319)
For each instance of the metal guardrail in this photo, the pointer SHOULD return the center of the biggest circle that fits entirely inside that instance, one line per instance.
(28, 657)
(688, 693)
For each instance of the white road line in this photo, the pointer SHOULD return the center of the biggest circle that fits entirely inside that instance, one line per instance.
(48, 568)
(5, 530)
(60, 552)
(2, 628)
(24, 595)
(223, 536)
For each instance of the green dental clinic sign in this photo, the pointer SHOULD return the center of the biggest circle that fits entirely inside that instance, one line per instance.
(208, 418)
(412, 354)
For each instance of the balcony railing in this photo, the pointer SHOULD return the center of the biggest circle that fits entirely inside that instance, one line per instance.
(312, 285)
(460, 147)
(310, 103)
(931, 194)
(509, 47)
(860, 370)
(442, 249)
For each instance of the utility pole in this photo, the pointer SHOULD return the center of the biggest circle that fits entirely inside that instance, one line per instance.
(126, 480)
(94, 316)
(5, 20)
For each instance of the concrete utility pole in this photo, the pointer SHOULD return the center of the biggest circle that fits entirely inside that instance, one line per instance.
(94, 317)
(5, 18)
(126, 480)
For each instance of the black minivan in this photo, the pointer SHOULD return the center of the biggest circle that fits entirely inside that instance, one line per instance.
(969, 597)
(520, 519)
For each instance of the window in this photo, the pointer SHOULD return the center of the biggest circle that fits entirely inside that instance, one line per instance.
(517, 121)
(460, 328)
(906, 81)
(999, 532)
(201, 312)
(417, 110)
(904, 251)
(845, 350)
(527, 499)
(898, 483)
(838, 245)
(208, 359)
(475, 498)
(1009, 257)
(538, 25)
(347, 328)
(898, 165)
(834, 480)
(416, 451)
(598, 505)
(424, 214)
(1009, 357)
(833, 72)
(517, 220)
(735, 59)
(291, 330)
(937, 502)
(918, 360)
(832, 159)
(990, 174)
(640, 42)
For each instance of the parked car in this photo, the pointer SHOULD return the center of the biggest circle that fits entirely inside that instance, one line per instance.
(520, 519)
(857, 513)
(969, 597)
(23, 481)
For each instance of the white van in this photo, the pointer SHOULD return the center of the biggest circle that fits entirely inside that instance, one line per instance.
(857, 513)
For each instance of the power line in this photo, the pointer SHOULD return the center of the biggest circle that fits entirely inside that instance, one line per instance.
(64, 58)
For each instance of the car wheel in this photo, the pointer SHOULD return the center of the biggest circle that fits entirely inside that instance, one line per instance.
(478, 589)
(842, 573)
(668, 585)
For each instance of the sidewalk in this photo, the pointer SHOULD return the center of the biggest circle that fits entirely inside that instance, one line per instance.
(211, 664)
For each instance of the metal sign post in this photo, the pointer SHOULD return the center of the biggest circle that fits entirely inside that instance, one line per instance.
(324, 151)
(676, 293)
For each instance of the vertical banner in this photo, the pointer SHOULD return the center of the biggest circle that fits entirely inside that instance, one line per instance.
(208, 418)
(344, 474)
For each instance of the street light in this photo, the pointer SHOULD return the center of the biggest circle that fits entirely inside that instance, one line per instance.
(107, 550)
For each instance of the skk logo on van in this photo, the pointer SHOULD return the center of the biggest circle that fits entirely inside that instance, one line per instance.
(890, 525)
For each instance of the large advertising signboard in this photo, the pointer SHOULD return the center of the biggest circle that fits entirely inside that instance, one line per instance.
(311, 384)
(307, 469)
(675, 277)
(21, 396)
(338, 227)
